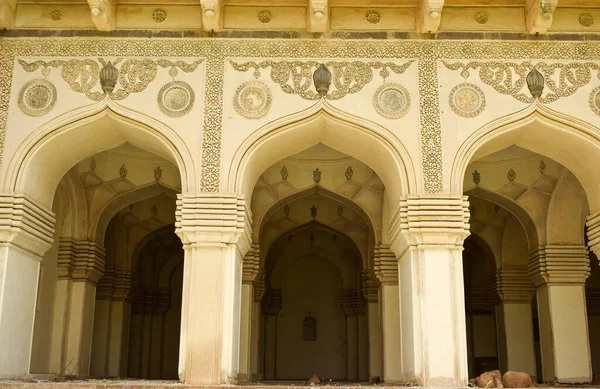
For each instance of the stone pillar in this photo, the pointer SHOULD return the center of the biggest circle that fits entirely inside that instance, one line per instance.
(271, 305)
(427, 234)
(371, 291)
(80, 266)
(215, 233)
(386, 270)
(559, 273)
(111, 323)
(514, 320)
(249, 272)
(350, 301)
(480, 322)
(255, 353)
(26, 233)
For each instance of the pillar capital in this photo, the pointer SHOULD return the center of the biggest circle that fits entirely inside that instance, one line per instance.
(80, 260)
(559, 265)
(26, 224)
(318, 15)
(352, 301)
(103, 13)
(116, 284)
(513, 285)
(370, 286)
(478, 301)
(593, 232)
(251, 264)
(259, 286)
(385, 265)
(271, 303)
(429, 221)
(213, 219)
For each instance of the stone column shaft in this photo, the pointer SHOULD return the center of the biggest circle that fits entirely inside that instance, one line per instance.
(559, 273)
(427, 235)
(214, 229)
(386, 269)
(371, 293)
(250, 270)
(80, 266)
(26, 233)
(514, 320)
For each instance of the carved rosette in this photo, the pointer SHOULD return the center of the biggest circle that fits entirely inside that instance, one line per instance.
(37, 97)
(391, 101)
(252, 99)
(176, 98)
(467, 100)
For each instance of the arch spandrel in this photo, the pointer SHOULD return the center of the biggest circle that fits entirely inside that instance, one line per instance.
(323, 123)
(35, 167)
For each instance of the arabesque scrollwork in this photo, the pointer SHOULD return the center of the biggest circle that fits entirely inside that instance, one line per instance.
(509, 78)
(134, 75)
(296, 77)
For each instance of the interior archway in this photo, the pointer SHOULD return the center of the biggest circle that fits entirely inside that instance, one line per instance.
(544, 188)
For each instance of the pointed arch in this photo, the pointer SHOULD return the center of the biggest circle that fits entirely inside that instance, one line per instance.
(315, 189)
(36, 170)
(567, 140)
(322, 123)
(534, 231)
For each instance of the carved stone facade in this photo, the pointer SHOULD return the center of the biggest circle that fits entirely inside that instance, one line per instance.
(300, 205)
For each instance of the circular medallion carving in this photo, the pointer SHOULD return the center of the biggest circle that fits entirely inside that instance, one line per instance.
(373, 17)
(159, 15)
(482, 17)
(176, 98)
(37, 97)
(586, 19)
(252, 99)
(595, 100)
(391, 101)
(467, 100)
(264, 16)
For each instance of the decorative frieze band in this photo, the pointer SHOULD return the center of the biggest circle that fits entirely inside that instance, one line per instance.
(513, 285)
(80, 260)
(213, 219)
(559, 264)
(385, 265)
(25, 224)
(429, 220)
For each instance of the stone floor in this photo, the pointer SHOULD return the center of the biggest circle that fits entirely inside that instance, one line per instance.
(158, 384)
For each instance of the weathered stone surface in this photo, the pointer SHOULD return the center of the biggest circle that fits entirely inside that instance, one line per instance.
(487, 379)
(314, 380)
(515, 379)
